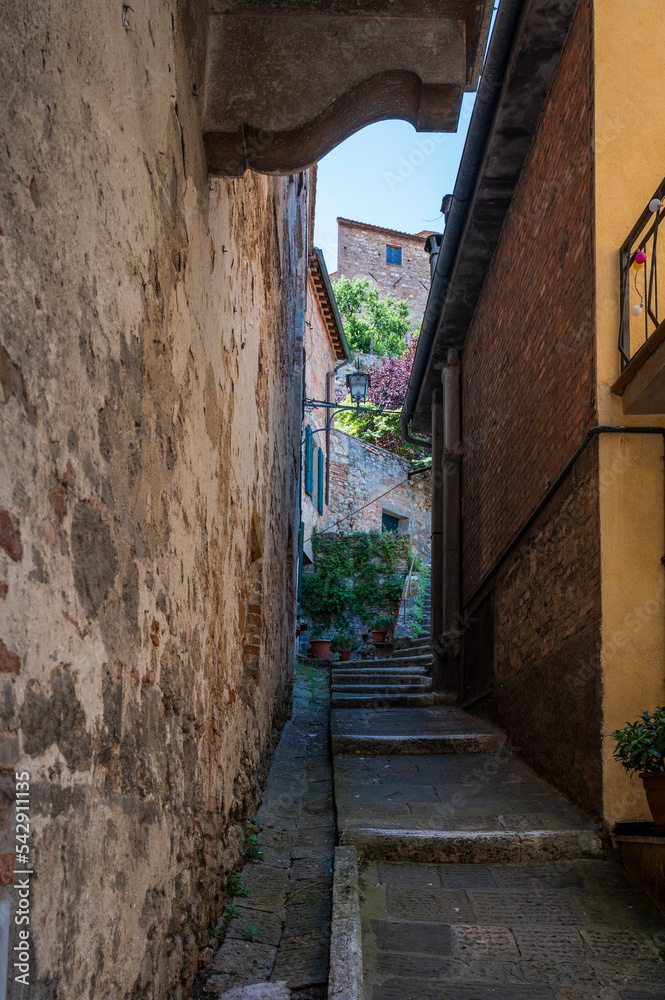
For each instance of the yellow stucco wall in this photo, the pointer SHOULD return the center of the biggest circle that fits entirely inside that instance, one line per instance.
(629, 137)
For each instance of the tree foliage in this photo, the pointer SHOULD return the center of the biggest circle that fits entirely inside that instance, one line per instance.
(390, 380)
(371, 324)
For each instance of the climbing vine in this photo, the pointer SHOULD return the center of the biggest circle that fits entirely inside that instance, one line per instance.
(359, 574)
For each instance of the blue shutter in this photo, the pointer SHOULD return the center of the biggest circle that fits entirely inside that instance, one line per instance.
(309, 461)
(319, 485)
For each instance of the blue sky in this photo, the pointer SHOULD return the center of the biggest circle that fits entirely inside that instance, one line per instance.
(388, 175)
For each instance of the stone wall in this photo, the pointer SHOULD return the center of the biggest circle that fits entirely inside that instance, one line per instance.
(547, 614)
(359, 474)
(361, 253)
(149, 361)
(528, 379)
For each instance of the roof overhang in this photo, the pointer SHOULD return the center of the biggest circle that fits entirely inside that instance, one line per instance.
(524, 52)
(328, 304)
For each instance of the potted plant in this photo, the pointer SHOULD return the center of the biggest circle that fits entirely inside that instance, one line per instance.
(381, 625)
(640, 747)
(343, 643)
(320, 647)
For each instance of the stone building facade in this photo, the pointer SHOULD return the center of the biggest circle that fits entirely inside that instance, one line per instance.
(548, 525)
(371, 488)
(393, 262)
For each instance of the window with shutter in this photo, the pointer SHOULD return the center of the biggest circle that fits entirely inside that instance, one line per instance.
(309, 461)
(319, 483)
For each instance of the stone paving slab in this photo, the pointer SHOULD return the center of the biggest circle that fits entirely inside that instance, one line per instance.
(281, 930)
(513, 932)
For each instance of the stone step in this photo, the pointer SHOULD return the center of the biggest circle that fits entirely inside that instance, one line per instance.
(418, 660)
(380, 677)
(471, 846)
(403, 643)
(380, 690)
(368, 744)
(466, 808)
(391, 700)
(439, 730)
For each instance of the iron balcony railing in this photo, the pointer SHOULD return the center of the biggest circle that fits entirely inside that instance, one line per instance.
(639, 258)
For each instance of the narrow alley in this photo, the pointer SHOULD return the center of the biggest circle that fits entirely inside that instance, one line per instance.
(332, 500)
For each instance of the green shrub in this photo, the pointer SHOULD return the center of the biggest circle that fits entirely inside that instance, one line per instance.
(343, 640)
(640, 746)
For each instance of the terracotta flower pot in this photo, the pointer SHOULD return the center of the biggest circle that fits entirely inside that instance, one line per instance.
(654, 786)
(345, 654)
(321, 648)
(378, 636)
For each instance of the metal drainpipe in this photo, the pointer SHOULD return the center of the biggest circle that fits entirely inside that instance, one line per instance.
(436, 538)
(448, 646)
(489, 90)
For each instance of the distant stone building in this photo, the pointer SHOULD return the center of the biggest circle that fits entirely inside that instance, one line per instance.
(396, 263)
(341, 473)
(370, 488)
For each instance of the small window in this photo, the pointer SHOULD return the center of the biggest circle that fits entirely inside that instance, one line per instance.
(389, 522)
(393, 255)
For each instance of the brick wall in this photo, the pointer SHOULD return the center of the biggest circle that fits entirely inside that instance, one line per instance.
(528, 365)
(361, 253)
(547, 680)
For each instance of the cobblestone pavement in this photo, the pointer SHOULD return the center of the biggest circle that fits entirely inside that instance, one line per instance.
(569, 930)
(281, 931)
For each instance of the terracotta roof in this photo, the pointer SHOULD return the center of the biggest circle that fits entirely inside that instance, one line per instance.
(383, 229)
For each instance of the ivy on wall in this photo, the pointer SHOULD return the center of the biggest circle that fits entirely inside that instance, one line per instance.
(360, 574)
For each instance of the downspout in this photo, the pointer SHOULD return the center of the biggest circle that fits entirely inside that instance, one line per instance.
(436, 538)
(489, 90)
(447, 645)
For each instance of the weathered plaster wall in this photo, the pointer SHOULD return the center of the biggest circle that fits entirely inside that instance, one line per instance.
(149, 364)
(547, 608)
(629, 166)
(360, 474)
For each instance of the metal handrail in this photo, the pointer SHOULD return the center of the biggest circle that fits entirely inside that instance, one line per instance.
(642, 237)
(407, 584)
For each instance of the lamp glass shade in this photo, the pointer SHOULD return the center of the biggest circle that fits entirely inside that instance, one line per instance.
(358, 383)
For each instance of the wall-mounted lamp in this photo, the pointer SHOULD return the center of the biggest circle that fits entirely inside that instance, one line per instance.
(358, 383)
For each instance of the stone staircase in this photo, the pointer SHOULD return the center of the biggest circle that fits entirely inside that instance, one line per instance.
(435, 784)
(399, 681)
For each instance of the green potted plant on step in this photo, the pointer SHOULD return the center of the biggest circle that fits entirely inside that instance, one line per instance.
(640, 747)
(381, 625)
(343, 643)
